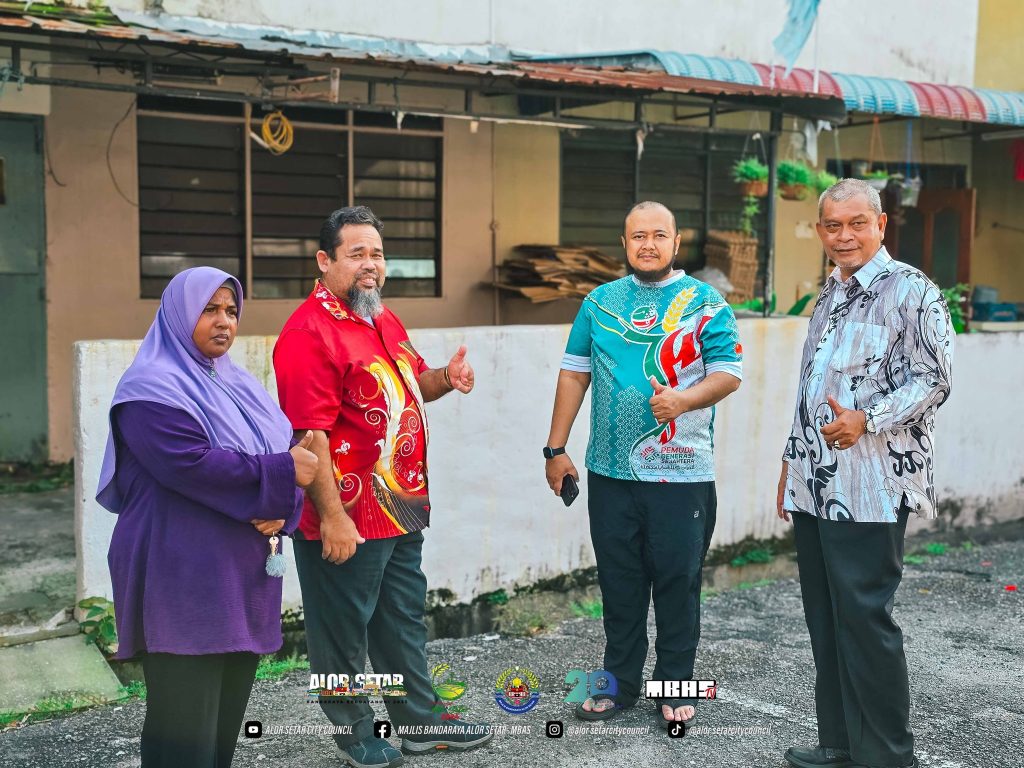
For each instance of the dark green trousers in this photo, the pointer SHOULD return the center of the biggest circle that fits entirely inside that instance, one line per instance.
(373, 602)
(849, 573)
(650, 540)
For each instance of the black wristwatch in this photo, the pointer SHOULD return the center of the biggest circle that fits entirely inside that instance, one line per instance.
(550, 453)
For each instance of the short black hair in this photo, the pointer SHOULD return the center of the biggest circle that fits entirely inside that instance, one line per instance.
(330, 237)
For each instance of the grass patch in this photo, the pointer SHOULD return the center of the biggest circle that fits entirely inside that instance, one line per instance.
(591, 609)
(757, 555)
(26, 477)
(136, 689)
(707, 594)
(272, 668)
(57, 705)
(752, 550)
(931, 549)
(497, 597)
(535, 624)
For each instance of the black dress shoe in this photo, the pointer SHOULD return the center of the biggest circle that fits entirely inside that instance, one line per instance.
(912, 764)
(803, 757)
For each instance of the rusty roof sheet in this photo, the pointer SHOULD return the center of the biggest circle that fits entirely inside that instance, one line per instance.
(465, 60)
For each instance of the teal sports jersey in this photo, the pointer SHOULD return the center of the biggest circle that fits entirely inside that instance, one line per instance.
(678, 331)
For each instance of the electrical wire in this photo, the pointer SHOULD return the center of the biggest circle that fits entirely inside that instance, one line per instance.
(49, 162)
(277, 133)
(110, 142)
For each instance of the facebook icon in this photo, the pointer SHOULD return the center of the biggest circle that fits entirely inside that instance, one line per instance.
(382, 728)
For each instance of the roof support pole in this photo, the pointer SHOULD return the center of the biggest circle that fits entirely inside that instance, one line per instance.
(769, 225)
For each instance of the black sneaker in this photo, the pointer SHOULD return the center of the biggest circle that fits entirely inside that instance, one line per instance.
(460, 737)
(372, 752)
(805, 757)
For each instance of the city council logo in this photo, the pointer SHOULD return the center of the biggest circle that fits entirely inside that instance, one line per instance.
(517, 690)
(448, 690)
(644, 317)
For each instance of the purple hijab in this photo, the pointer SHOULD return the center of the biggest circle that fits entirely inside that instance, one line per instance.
(234, 409)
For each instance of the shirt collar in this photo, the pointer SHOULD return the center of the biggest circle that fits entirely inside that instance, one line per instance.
(869, 271)
(679, 274)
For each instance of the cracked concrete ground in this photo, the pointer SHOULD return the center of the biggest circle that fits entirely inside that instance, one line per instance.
(37, 553)
(963, 641)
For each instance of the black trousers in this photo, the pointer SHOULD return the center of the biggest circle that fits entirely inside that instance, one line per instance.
(650, 540)
(849, 573)
(194, 708)
(374, 602)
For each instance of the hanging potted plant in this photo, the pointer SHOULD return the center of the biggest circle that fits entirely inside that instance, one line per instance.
(910, 191)
(794, 180)
(822, 181)
(752, 176)
(877, 179)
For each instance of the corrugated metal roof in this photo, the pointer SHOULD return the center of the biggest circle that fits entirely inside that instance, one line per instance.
(639, 70)
(468, 60)
(860, 93)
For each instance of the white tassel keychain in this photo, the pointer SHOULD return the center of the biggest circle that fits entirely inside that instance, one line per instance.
(276, 565)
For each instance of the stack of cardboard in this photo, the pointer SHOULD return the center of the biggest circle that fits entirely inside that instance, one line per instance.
(549, 272)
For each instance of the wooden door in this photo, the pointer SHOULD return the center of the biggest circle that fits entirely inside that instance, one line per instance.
(936, 235)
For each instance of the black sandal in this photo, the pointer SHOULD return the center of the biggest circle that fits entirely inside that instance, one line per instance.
(597, 714)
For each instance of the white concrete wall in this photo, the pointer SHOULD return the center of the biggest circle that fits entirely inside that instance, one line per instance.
(910, 39)
(495, 523)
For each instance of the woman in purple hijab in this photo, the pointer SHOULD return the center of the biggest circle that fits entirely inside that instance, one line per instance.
(201, 472)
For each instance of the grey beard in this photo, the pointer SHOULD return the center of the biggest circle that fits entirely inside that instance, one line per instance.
(365, 302)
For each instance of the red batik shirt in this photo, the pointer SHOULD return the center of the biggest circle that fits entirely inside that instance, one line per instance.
(359, 383)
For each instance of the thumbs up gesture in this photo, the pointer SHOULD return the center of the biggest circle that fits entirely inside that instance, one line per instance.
(846, 428)
(667, 404)
(305, 461)
(460, 372)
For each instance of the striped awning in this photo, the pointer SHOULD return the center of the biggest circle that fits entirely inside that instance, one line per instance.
(860, 93)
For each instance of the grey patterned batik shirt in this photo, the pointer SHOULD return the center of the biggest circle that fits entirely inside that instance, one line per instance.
(881, 342)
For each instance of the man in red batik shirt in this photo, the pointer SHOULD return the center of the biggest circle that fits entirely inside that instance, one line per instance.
(347, 372)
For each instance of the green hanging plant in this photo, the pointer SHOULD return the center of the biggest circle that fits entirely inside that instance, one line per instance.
(792, 174)
(794, 180)
(750, 210)
(823, 180)
(752, 176)
(749, 169)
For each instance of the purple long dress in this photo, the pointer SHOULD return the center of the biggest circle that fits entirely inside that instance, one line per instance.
(188, 568)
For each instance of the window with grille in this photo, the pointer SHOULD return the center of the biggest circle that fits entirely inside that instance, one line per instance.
(195, 179)
(691, 173)
(191, 204)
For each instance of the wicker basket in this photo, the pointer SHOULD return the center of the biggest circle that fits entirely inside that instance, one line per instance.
(735, 254)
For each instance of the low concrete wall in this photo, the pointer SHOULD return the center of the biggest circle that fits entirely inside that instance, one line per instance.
(496, 524)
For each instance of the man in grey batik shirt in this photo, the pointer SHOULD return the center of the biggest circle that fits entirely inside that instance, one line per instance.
(876, 365)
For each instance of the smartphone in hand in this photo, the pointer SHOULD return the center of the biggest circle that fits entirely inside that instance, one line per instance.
(569, 490)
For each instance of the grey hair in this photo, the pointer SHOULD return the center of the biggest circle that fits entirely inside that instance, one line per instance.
(644, 205)
(844, 189)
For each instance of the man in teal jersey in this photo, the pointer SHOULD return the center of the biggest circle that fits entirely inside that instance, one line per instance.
(660, 348)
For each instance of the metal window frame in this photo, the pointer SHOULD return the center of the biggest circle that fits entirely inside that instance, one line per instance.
(350, 129)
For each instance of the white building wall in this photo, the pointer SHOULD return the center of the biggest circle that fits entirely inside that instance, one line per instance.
(496, 524)
(931, 40)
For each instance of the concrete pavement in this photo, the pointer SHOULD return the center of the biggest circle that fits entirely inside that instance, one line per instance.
(963, 640)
